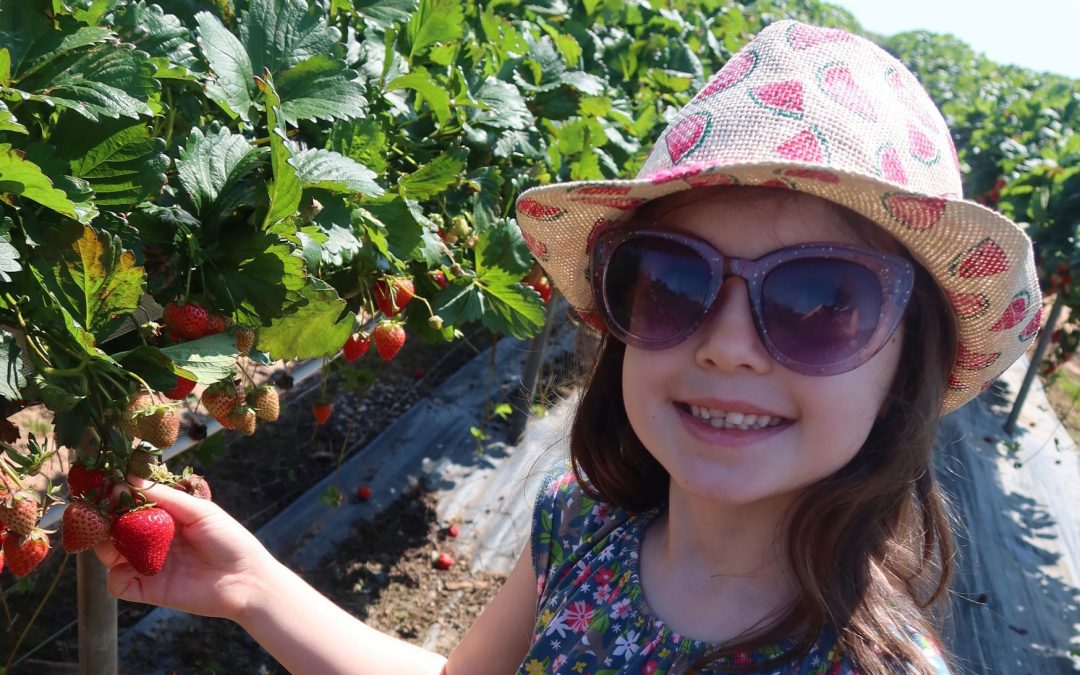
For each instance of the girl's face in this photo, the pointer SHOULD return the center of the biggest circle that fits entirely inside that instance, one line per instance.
(724, 365)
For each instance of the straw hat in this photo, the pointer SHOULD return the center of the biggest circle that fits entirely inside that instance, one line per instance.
(831, 114)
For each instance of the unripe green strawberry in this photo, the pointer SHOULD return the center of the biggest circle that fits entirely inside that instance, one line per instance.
(20, 512)
(24, 553)
(143, 536)
(84, 526)
(244, 420)
(435, 322)
(265, 402)
(245, 340)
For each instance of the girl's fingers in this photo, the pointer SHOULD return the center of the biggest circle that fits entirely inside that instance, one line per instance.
(107, 554)
(126, 584)
(184, 508)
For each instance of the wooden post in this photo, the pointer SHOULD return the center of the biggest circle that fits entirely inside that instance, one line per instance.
(98, 652)
(521, 400)
(1036, 360)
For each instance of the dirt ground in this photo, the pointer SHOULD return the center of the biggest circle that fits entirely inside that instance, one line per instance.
(385, 575)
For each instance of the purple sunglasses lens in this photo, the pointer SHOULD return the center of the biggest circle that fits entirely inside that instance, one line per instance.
(656, 288)
(820, 311)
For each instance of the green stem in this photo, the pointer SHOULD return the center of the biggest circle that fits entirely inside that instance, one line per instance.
(41, 605)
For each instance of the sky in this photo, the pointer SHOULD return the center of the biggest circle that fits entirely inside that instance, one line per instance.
(1036, 34)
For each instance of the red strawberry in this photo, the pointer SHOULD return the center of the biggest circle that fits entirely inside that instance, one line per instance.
(186, 321)
(439, 277)
(541, 286)
(363, 493)
(23, 554)
(143, 537)
(453, 530)
(356, 346)
(402, 294)
(444, 561)
(216, 324)
(84, 526)
(20, 512)
(195, 485)
(322, 412)
(86, 482)
(389, 339)
(245, 340)
(181, 390)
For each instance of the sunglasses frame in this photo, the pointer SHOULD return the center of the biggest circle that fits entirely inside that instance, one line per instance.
(895, 275)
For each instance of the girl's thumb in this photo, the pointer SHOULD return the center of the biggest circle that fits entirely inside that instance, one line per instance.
(184, 508)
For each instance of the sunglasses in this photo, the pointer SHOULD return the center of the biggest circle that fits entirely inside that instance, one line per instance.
(819, 308)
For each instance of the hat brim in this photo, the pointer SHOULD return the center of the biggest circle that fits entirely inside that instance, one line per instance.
(981, 260)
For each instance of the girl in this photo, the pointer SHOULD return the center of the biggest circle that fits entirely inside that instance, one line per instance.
(790, 293)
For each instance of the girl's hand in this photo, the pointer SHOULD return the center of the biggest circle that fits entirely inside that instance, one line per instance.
(212, 567)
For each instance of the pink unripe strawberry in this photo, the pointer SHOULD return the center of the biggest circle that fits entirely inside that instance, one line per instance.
(84, 526)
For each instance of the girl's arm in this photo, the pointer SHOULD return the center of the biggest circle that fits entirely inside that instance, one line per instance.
(218, 568)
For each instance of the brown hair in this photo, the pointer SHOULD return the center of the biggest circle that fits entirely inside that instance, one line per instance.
(869, 546)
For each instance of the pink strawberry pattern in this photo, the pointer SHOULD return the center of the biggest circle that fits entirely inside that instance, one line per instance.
(981, 260)
(806, 146)
(734, 71)
(890, 167)
(783, 98)
(922, 148)
(712, 179)
(837, 81)
(802, 37)
(1014, 313)
(538, 248)
(918, 212)
(600, 191)
(1033, 326)
(969, 360)
(686, 135)
(668, 174)
(969, 305)
(538, 211)
(819, 175)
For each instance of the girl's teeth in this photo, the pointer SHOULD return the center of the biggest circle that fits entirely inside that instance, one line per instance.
(734, 420)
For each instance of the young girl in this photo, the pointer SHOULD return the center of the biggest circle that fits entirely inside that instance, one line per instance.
(791, 293)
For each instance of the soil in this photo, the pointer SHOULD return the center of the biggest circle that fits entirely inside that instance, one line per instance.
(384, 575)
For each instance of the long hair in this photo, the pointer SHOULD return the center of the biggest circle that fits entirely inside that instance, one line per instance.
(869, 546)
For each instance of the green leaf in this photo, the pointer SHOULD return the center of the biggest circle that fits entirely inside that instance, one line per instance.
(402, 230)
(210, 167)
(234, 86)
(278, 34)
(510, 306)
(320, 88)
(384, 13)
(210, 359)
(436, 21)
(334, 172)
(503, 106)
(119, 159)
(285, 189)
(257, 277)
(436, 176)
(362, 140)
(35, 39)
(25, 179)
(460, 302)
(315, 330)
(9, 255)
(500, 246)
(159, 34)
(96, 281)
(8, 121)
(427, 89)
(13, 380)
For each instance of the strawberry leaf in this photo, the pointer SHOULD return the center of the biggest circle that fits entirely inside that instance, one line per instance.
(285, 189)
(233, 86)
(331, 171)
(509, 306)
(316, 329)
(11, 362)
(436, 176)
(118, 159)
(256, 276)
(436, 21)
(212, 169)
(206, 360)
(23, 178)
(501, 245)
(9, 255)
(321, 88)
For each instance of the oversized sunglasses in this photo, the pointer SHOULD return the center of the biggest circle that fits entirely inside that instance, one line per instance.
(819, 308)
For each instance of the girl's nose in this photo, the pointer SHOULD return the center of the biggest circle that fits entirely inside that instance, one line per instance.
(728, 340)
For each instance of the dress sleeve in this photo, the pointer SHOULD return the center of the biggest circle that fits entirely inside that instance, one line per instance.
(547, 520)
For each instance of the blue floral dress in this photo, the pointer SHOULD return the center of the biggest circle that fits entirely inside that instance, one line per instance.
(592, 618)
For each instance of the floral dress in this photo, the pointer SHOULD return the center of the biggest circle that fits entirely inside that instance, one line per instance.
(592, 618)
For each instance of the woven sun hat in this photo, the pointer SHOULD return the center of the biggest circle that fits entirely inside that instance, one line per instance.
(831, 114)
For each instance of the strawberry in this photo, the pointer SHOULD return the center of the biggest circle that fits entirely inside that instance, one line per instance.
(419, 373)
(363, 493)
(444, 561)
(160, 428)
(244, 420)
(20, 512)
(245, 340)
(141, 464)
(143, 536)
(216, 324)
(439, 277)
(181, 390)
(220, 399)
(453, 530)
(140, 402)
(265, 401)
(390, 303)
(356, 346)
(186, 321)
(389, 338)
(86, 482)
(84, 526)
(322, 411)
(541, 286)
(195, 485)
(24, 553)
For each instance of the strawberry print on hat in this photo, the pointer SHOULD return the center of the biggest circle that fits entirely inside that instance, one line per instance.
(838, 82)
(734, 71)
(819, 175)
(889, 165)
(968, 305)
(981, 260)
(970, 360)
(922, 148)
(919, 212)
(686, 135)
(1033, 326)
(806, 146)
(802, 37)
(538, 211)
(783, 98)
(536, 246)
(1014, 312)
